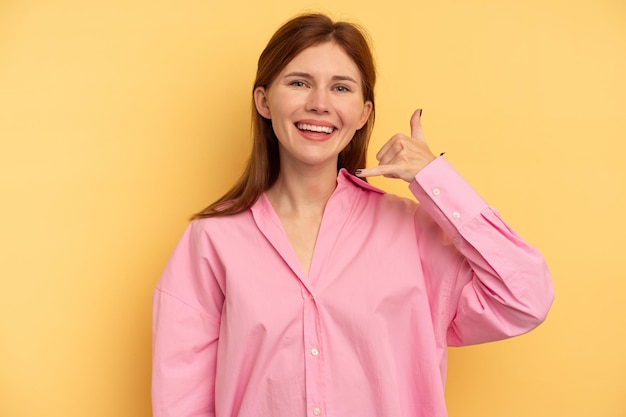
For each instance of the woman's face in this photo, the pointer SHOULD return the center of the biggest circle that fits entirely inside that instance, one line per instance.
(316, 105)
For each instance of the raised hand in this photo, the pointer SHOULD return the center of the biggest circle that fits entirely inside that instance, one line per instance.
(402, 156)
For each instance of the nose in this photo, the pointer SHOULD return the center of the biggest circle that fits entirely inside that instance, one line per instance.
(318, 101)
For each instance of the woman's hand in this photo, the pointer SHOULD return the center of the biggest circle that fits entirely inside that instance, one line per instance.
(402, 156)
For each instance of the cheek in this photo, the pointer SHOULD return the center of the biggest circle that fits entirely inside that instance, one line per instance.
(280, 126)
(359, 115)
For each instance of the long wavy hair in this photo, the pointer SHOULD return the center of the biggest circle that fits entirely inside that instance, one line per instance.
(289, 40)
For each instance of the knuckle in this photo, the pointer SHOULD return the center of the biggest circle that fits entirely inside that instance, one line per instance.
(398, 146)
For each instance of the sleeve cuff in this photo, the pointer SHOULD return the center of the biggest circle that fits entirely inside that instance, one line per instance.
(446, 195)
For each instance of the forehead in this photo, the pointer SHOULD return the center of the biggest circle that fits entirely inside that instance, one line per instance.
(325, 59)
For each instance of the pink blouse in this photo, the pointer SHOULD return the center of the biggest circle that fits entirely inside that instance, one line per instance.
(241, 330)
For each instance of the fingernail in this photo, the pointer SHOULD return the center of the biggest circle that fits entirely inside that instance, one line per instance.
(357, 172)
(421, 112)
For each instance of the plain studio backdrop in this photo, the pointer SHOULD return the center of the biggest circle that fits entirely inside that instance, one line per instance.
(120, 118)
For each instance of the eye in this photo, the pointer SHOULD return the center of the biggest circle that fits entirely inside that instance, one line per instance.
(342, 89)
(298, 83)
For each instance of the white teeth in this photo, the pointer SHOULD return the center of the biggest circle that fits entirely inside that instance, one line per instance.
(313, 128)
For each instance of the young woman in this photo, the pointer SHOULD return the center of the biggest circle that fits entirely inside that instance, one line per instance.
(304, 291)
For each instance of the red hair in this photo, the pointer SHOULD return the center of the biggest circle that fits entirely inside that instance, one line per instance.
(289, 40)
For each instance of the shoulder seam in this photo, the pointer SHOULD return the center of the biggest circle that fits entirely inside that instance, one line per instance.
(202, 313)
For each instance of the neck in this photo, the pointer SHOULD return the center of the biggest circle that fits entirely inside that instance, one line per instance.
(303, 191)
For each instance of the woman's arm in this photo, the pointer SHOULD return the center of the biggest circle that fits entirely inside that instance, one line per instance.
(186, 323)
(486, 283)
(490, 284)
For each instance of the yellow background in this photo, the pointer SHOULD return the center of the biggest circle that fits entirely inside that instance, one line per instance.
(120, 118)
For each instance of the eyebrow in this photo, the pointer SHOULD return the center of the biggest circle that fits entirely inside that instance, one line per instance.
(334, 77)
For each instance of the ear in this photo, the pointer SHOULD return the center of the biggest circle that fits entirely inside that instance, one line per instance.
(367, 110)
(261, 103)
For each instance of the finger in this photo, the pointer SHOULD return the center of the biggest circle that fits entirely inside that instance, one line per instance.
(392, 146)
(385, 148)
(416, 125)
(385, 170)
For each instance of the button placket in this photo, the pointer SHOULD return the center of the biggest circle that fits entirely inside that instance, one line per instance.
(314, 374)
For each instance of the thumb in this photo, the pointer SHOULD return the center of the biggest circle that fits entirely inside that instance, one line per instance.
(416, 125)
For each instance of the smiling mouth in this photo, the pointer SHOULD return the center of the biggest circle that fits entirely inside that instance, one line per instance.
(314, 128)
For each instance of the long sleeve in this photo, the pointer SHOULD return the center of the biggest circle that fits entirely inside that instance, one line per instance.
(186, 324)
(487, 283)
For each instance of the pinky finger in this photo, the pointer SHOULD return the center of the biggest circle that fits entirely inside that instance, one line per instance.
(384, 170)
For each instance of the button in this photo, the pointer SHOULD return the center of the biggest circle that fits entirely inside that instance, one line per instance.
(317, 411)
(456, 214)
(436, 191)
(315, 352)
